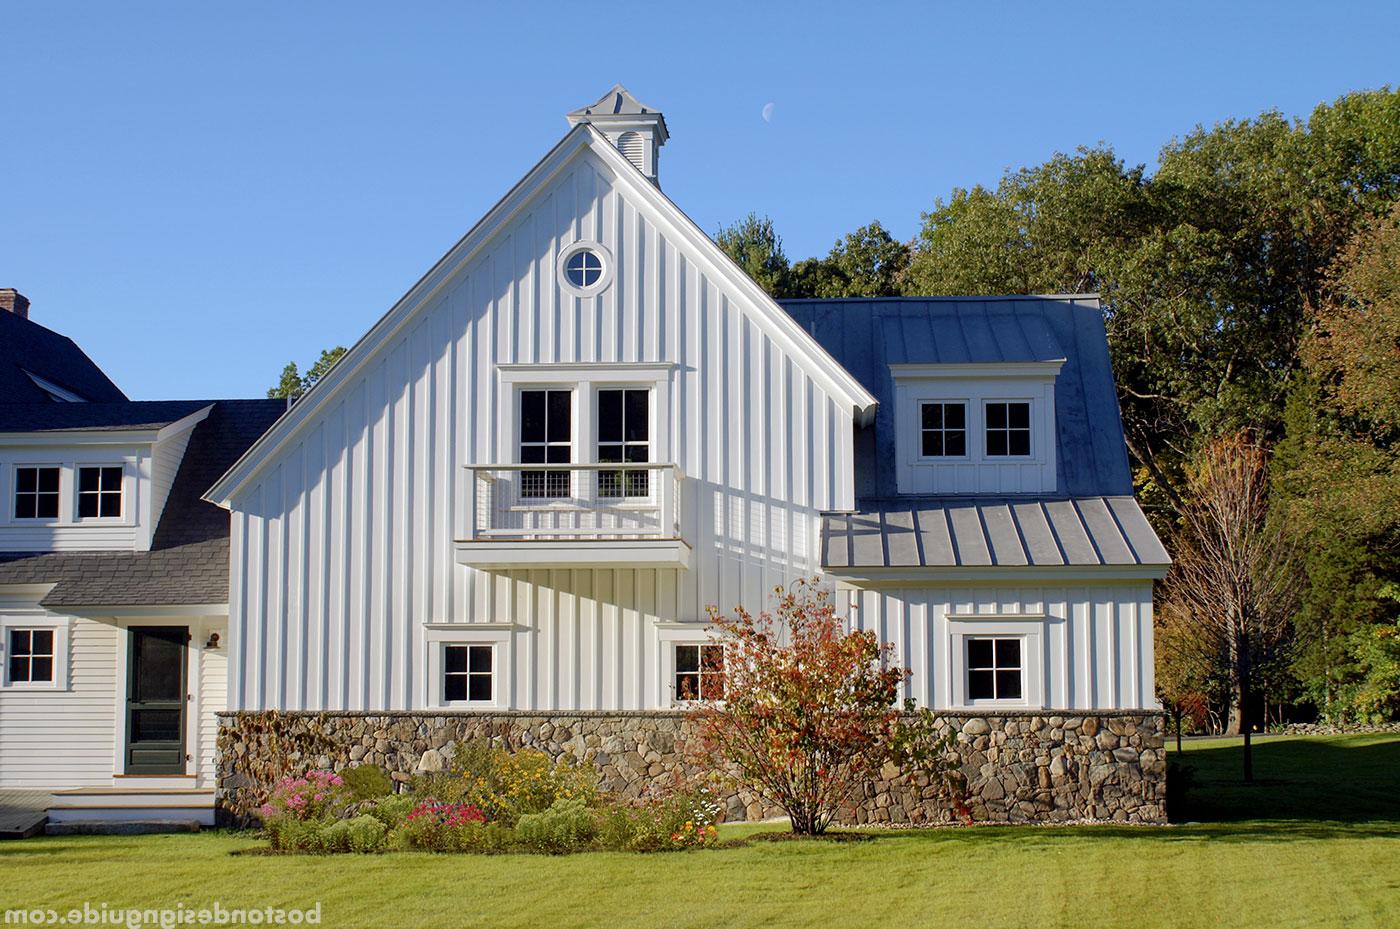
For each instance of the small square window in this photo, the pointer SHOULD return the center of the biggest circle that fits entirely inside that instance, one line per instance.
(31, 656)
(994, 669)
(1008, 429)
(100, 492)
(467, 673)
(943, 429)
(699, 672)
(36, 492)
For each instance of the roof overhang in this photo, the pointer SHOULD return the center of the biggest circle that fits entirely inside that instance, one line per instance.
(952, 576)
(105, 436)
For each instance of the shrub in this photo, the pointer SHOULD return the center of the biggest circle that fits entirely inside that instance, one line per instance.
(435, 826)
(363, 835)
(687, 819)
(507, 785)
(314, 795)
(567, 826)
(367, 782)
(810, 712)
(392, 810)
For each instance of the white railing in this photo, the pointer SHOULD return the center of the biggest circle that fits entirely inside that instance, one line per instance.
(529, 502)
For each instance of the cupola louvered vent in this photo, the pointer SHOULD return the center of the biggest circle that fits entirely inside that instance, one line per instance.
(634, 149)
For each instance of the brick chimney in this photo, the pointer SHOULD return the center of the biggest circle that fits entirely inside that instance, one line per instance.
(12, 301)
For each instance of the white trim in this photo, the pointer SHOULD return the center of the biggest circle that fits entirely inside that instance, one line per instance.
(605, 257)
(998, 369)
(61, 394)
(501, 638)
(576, 553)
(668, 636)
(69, 437)
(1030, 628)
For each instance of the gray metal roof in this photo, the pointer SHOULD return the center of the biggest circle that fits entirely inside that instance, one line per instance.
(28, 348)
(95, 417)
(1008, 532)
(189, 558)
(868, 335)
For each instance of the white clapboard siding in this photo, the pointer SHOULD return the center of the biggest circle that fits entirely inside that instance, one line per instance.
(343, 542)
(166, 456)
(213, 698)
(65, 738)
(1098, 637)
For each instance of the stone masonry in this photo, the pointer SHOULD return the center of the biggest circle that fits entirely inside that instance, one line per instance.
(1016, 767)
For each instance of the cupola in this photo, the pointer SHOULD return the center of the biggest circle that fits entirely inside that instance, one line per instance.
(635, 128)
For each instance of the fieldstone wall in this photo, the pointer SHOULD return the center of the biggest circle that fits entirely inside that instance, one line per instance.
(1015, 767)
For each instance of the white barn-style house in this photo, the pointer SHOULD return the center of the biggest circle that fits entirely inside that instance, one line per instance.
(517, 494)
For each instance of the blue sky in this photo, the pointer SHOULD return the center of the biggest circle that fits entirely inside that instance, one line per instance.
(198, 193)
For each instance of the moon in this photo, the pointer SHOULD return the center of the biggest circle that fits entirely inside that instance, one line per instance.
(767, 112)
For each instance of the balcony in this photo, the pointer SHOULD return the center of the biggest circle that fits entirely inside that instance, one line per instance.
(578, 515)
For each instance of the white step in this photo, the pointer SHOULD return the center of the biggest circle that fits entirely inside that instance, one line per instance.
(113, 805)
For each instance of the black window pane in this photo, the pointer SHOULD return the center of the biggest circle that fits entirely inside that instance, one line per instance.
(607, 453)
(159, 665)
(637, 419)
(89, 479)
(48, 480)
(955, 443)
(155, 726)
(454, 659)
(41, 669)
(532, 416)
(20, 642)
(559, 425)
(26, 506)
(932, 416)
(26, 480)
(111, 478)
(480, 659)
(454, 687)
(87, 505)
(532, 454)
(996, 443)
(687, 686)
(637, 454)
(687, 658)
(1008, 685)
(479, 687)
(46, 506)
(979, 653)
(111, 504)
(954, 416)
(996, 415)
(933, 444)
(1019, 416)
(980, 685)
(19, 669)
(557, 454)
(610, 416)
(1008, 653)
(41, 642)
(1020, 443)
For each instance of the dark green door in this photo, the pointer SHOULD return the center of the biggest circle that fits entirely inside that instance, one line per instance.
(155, 700)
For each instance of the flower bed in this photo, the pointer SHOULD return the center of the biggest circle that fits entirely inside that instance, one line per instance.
(488, 801)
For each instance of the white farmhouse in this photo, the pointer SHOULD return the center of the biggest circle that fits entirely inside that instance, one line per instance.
(512, 501)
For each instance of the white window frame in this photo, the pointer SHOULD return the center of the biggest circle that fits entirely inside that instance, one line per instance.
(668, 636)
(13, 503)
(497, 636)
(516, 420)
(121, 518)
(468, 674)
(967, 430)
(1030, 628)
(699, 672)
(60, 626)
(595, 392)
(1031, 430)
(598, 286)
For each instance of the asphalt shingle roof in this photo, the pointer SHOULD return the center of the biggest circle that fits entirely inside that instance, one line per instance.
(189, 558)
(28, 348)
(87, 417)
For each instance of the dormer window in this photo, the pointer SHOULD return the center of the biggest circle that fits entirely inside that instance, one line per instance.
(36, 492)
(100, 492)
(1008, 429)
(943, 429)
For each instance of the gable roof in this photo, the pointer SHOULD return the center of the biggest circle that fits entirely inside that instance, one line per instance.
(818, 362)
(867, 335)
(27, 348)
(189, 558)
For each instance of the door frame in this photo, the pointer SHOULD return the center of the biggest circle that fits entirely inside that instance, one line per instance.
(183, 702)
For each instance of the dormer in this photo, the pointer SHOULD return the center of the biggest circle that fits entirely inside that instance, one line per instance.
(636, 129)
(89, 476)
(985, 429)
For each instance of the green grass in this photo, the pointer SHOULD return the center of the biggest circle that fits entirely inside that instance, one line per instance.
(1315, 843)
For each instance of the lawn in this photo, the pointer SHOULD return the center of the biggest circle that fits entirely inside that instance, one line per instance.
(1315, 843)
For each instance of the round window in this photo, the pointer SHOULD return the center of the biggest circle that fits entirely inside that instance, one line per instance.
(584, 268)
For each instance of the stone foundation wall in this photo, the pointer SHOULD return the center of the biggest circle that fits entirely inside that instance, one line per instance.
(1016, 767)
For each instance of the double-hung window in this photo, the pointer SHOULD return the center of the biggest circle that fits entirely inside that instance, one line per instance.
(942, 429)
(100, 492)
(1008, 428)
(624, 427)
(36, 492)
(31, 654)
(546, 437)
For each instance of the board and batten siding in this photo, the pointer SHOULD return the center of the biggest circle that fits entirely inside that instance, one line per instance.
(1097, 637)
(64, 738)
(343, 541)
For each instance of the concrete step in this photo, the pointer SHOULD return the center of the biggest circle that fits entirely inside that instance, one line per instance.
(121, 826)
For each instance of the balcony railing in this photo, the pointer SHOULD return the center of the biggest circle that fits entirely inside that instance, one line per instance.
(579, 502)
